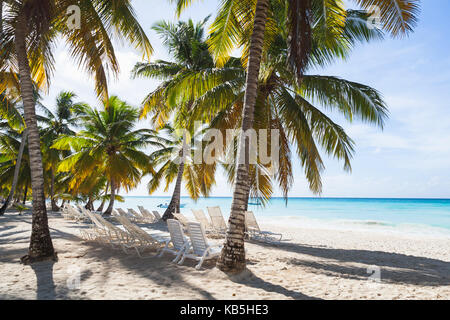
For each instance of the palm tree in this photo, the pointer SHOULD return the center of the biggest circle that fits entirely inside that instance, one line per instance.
(185, 42)
(58, 123)
(232, 28)
(109, 146)
(176, 161)
(29, 34)
(298, 121)
(14, 163)
(9, 110)
(1, 16)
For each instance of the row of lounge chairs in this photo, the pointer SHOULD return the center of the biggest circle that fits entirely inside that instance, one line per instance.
(131, 237)
(144, 216)
(217, 225)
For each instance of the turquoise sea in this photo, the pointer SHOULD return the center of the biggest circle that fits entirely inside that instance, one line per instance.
(423, 216)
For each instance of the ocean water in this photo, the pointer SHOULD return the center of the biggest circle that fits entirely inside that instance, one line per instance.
(420, 216)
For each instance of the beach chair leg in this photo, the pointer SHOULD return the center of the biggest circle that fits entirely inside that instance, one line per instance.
(178, 256)
(138, 253)
(182, 260)
(199, 265)
(163, 249)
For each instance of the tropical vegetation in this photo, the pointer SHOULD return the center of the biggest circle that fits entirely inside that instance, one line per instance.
(84, 154)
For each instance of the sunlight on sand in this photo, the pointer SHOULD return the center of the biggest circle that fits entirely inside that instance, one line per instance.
(312, 264)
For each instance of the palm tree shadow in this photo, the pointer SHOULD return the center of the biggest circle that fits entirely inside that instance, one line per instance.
(45, 287)
(251, 280)
(395, 267)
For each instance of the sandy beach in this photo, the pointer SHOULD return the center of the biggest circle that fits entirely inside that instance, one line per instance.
(310, 264)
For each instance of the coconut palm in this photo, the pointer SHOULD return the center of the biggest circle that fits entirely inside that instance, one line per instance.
(253, 25)
(60, 122)
(185, 41)
(109, 146)
(30, 30)
(1, 16)
(14, 163)
(14, 123)
(175, 160)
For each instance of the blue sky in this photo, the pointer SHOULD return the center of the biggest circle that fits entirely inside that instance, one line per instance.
(409, 158)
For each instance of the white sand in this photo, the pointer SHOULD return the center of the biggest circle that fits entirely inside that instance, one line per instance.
(313, 264)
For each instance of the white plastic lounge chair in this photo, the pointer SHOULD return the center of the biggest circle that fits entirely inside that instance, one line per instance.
(137, 216)
(254, 231)
(180, 217)
(71, 213)
(98, 231)
(66, 213)
(117, 236)
(145, 239)
(178, 240)
(201, 217)
(217, 220)
(147, 214)
(77, 214)
(157, 215)
(106, 232)
(200, 250)
(127, 214)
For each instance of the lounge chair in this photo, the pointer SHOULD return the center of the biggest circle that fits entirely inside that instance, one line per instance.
(201, 217)
(117, 235)
(137, 216)
(106, 232)
(178, 240)
(217, 220)
(147, 214)
(255, 232)
(157, 215)
(180, 217)
(78, 214)
(146, 240)
(199, 250)
(99, 231)
(127, 215)
(66, 212)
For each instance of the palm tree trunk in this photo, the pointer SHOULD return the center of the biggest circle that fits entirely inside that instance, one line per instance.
(41, 246)
(25, 193)
(232, 258)
(1, 17)
(174, 205)
(100, 209)
(16, 173)
(55, 207)
(90, 204)
(111, 201)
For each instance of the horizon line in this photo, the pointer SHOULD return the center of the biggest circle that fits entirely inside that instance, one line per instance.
(315, 198)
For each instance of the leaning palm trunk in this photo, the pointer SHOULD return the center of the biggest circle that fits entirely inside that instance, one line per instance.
(41, 246)
(25, 194)
(100, 209)
(52, 192)
(174, 205)
(1, 16)
(110, 208)
(90, 204)
(232, 258)
(16, 173)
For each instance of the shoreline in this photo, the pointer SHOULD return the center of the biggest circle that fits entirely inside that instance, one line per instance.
(412, 231)
(312, 264)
